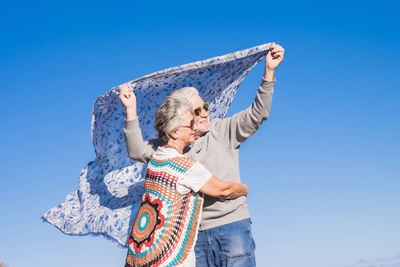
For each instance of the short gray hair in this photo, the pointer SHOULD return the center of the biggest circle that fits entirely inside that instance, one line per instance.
(168, 116)
(185, 93)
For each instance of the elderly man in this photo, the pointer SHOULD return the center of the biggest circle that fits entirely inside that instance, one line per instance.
(224, 237)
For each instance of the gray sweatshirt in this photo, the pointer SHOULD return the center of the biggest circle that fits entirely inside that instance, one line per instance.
(218, 151)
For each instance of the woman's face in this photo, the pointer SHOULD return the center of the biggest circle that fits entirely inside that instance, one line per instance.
(185, 132)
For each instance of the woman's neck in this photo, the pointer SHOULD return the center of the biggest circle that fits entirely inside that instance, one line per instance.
(178, 145)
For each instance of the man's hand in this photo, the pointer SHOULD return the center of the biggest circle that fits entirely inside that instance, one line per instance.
(128, 98)
(272, 61)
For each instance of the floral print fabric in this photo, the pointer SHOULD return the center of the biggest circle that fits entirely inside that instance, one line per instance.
(111, 186)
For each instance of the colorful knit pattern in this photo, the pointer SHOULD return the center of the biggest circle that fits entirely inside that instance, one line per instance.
(111, 186)
(166, 225)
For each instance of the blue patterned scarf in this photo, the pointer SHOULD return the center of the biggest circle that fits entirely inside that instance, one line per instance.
(111, 186)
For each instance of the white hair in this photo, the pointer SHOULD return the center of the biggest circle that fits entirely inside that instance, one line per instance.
(168, 116)
(185, 93)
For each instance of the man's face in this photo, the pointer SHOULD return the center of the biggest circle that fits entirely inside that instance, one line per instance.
(201, 122)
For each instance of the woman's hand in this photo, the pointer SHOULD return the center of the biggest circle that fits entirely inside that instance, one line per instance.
(215, 187)
(128, 98)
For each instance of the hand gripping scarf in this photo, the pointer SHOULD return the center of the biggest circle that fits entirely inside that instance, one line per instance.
(111, 186)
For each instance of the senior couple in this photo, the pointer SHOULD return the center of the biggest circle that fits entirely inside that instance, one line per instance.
(194, 210)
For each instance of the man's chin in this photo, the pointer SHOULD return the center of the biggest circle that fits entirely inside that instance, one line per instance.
(201, 131)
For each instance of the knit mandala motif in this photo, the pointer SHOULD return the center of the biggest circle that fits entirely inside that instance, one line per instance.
(166, 224)
(111, 186)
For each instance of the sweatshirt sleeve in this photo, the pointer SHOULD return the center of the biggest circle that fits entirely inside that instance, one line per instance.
(137, 148)
(235, 130)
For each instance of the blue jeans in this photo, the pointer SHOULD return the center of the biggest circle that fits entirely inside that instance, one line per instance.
(229, 245)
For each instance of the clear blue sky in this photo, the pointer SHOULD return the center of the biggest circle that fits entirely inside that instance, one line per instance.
(323, 171)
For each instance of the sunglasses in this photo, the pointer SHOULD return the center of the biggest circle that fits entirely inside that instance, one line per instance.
(198, 110)
(189, 126)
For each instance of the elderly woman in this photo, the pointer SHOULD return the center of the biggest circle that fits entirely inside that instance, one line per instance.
(165, 229)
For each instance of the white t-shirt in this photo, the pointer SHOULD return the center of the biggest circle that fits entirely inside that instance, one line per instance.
(194, 179)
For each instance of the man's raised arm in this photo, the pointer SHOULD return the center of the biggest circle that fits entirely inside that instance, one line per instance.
(235, 130)
(137, 148)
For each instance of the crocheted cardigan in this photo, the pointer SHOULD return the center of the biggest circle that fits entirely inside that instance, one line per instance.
(165, 228)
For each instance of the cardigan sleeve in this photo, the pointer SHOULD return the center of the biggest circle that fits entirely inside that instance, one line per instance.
(137, 148)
